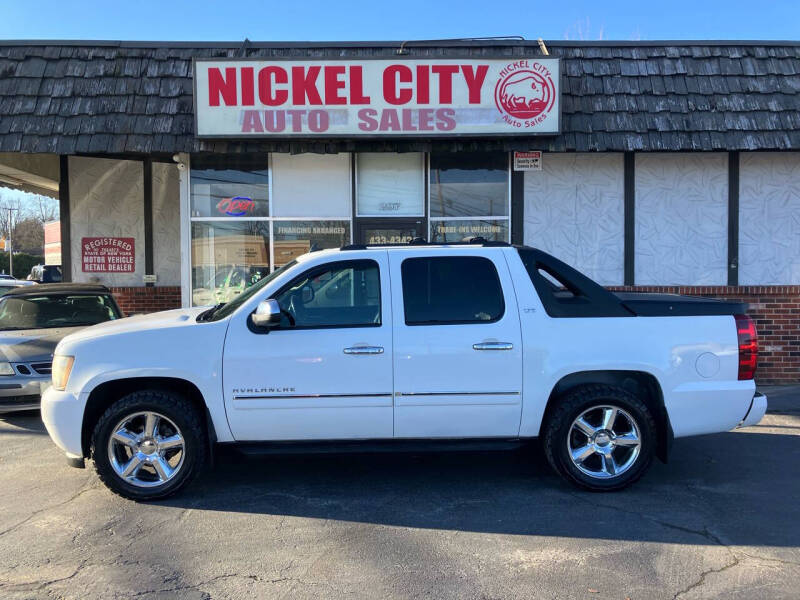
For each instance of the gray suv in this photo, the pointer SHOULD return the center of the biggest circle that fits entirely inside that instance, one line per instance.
(33, 319)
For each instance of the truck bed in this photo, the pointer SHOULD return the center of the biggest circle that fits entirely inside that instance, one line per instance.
(674, 305)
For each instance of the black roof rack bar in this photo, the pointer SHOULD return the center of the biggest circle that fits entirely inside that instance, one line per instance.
(477, 241)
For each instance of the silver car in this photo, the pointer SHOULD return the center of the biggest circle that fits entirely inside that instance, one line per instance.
(33, 319)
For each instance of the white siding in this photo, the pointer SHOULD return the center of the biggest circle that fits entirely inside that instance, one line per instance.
(574, 210)
(681, 219)
(106, 199)
(166, 224)
(769, 218)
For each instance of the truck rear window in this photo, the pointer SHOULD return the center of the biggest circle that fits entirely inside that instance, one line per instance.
(565, 292)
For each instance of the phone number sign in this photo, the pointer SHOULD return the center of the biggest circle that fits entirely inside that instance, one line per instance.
(108, 254)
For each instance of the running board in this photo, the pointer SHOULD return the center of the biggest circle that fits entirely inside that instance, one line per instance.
(375, 446)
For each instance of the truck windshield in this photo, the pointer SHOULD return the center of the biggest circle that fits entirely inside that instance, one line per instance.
(230, 307)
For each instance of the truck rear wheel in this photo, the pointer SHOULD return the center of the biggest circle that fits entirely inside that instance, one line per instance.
(148, 445)
(600, 437)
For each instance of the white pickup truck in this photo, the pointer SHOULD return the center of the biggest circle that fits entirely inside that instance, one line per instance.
(376, 347)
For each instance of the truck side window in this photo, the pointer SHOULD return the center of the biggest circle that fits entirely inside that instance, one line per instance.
(340, 294)
(451, 289)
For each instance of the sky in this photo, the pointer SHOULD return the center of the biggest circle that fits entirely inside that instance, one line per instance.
(302, 20)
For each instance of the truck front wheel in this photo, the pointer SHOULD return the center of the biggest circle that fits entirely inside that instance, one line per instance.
(600, 437)
(149, 444)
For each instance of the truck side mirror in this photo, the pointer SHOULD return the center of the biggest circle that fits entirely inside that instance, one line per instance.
(267, 314)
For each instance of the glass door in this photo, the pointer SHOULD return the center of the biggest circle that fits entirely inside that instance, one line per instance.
(390, 230)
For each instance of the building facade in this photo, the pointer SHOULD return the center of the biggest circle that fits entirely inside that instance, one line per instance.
(186, 171)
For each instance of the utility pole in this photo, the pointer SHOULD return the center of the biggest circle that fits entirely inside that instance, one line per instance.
(8, 244)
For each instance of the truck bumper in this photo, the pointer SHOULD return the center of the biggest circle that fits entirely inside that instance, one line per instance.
(62, 413)
(758, 408)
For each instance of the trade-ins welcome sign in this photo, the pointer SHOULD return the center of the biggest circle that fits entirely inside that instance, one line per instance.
(449, 97)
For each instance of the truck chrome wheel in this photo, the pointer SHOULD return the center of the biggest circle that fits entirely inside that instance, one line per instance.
(604, 442)
(146, 449)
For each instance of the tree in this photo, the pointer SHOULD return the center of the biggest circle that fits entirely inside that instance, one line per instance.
(29, 237)
(16, 206)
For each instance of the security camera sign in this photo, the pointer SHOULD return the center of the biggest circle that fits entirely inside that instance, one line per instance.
(528, 161)
(379, 97)
(108, 255)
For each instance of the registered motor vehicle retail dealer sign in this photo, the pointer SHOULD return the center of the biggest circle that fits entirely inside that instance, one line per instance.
(108, 254)
(351, 98)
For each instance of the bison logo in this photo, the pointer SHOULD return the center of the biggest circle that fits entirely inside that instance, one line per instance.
(525, 94)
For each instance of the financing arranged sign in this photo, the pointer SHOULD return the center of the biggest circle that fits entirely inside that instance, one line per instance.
(108, 255)
(352, 98)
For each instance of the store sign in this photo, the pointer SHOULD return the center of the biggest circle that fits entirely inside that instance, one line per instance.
(528, 161)
(448, 97)
(238, 206)
(108, 255)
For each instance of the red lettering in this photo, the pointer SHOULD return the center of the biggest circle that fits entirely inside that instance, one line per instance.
(267, 78)
(333, 84)
(275, 120)
(248, 87)
(423, 84)
(408, 125)
(297, 117)
(367, 117)
(393, 75)
(236, 207)
(426, 119)
(446, 119)
(357, 86)
(389, 120)
(222, 87)
(475, 81)
(318, 120)
(445, 73)
(252, 122)
(304, 85)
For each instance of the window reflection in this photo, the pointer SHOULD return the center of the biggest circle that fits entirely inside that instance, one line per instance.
(230, 186)
(227, 258)
(471, 184)
(293, 238)
(465, 230)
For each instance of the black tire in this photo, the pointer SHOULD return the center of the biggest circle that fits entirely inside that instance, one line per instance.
(558, 428)
(175, 408)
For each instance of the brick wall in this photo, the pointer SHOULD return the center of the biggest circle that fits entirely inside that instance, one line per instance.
(147, 299)
(776, 311)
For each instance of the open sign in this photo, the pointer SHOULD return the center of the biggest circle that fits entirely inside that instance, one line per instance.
(237, 206)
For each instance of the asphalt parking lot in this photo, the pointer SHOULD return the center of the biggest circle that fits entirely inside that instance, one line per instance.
(721, 521)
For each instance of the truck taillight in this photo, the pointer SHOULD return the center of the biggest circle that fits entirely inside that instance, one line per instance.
(748, 346)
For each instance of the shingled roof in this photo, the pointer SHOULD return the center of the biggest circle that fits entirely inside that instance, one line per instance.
(136, 97)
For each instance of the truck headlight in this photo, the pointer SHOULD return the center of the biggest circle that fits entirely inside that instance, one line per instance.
(6, 369)
(62, 367)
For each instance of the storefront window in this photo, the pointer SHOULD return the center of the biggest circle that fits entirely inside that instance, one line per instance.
(230, 186)
(469, 184)
(293, 238)
(227, 257)
(468, 191)
(463, 230)
(242, 209)
(389, 184)
(311, 185)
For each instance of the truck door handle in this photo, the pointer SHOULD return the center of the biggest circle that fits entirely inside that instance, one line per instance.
(364, 350)
(493, 346)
